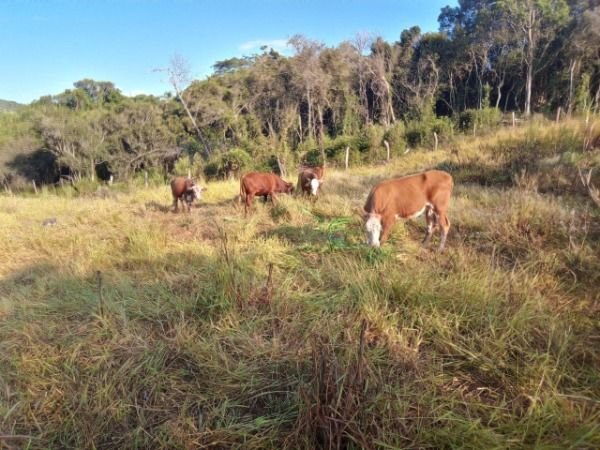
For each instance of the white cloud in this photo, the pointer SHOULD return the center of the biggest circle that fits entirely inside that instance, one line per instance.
(279, 45)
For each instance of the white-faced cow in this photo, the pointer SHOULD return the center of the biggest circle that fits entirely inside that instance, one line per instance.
(310, 179)
(406, 198)
(185, 190)
(262, 184)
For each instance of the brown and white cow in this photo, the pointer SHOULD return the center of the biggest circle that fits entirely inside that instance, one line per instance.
(309, 179)
(262, 184)
(185, 190)
(406, 198)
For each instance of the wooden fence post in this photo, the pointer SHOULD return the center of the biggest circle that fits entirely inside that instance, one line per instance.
(387, 147)
(558, 111)
(145, 178)
(110, 180)
(347, 156)
(34, 186)
(189, 173)
(281, 166)
(513, 119)
(435, 141)
(100, 296)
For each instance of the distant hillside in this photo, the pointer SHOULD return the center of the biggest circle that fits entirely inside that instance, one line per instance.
(8, 105)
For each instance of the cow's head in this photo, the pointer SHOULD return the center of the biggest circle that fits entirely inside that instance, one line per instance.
(373, 228)
(193, 192)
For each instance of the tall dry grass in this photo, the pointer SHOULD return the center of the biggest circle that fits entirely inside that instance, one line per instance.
(282, 330)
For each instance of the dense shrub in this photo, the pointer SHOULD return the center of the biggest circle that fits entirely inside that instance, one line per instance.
(480, 118)
(395, 135)
(229, 164)
(420, 134)
(189, 164)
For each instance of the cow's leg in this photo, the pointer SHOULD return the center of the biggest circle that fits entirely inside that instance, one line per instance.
(445, 225)
(175, 204)
(387, 225)
(432, 219)
(249, 198)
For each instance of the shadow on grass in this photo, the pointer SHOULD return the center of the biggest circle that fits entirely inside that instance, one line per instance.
(198, 205)
(106, 355)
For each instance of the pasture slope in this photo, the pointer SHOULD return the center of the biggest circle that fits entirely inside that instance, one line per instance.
(493, 344)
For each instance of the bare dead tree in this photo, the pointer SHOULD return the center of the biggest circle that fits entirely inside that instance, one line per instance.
(179, 76)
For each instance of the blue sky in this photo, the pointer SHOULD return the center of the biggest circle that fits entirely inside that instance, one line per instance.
(46, 45)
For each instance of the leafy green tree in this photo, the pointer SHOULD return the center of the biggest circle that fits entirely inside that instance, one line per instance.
(535, 24)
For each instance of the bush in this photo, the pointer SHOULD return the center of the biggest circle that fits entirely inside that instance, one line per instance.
(228, 164)
(191, 164)
(481, 118)
(395, 135)
(420, 134)
(335, 152)
(372, 136)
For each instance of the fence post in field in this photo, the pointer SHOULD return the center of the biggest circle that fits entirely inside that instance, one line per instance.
(435, 141)
(189, 173)
(347, 156)
(110, 180)
(34, 186)
(145, 178)
(558, 111)
(100, 296)
(513, 119)
(281, 166)
(387, 147)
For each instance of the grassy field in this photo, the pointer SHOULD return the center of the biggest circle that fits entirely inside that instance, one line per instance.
(492, 344)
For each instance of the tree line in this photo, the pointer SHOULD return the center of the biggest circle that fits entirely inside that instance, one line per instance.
(269, 110)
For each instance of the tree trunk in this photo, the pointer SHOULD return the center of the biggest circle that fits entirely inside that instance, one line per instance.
(310, 121)
(207, 149)
(529, 87)
(530, 59)
(452, 92)
(499, 90)
(571, 76)
(321, 137)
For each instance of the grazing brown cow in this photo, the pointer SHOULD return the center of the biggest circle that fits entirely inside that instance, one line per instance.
(309, 179)
(263, 185)
(185, 190)
(406, 198)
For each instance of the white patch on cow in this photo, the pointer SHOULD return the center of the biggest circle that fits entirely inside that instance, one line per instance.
(418, 213)
(373, 229)
(197, 191)
(314, 185)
